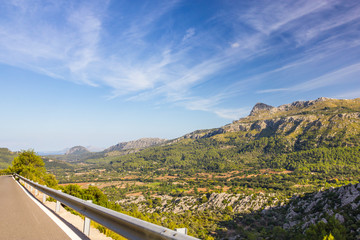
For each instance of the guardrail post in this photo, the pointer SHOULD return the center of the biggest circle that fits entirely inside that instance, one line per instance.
(181, 230)
(57, 208)
(44, 198)
(36, 191)
(86, 228)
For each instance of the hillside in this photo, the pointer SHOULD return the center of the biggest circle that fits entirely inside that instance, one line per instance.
(217, 182)
(77, 150)
(322, 122)
(135, 145)
(6, 157)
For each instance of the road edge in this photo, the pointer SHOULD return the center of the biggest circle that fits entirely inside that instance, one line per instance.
(52, 216)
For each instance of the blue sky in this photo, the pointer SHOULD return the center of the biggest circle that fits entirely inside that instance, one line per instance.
(95, 73)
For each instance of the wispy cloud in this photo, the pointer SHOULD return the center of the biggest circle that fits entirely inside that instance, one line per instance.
(189, 33)
(268, 17)
(349, 94)
(332, 78)
(141, 53)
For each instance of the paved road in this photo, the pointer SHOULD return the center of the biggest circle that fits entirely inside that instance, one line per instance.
(21, 218)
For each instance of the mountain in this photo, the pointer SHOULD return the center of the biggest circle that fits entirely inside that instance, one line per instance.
(320, 122)
(77, 150)
(286, 172)
(137, 144)
(271, 137)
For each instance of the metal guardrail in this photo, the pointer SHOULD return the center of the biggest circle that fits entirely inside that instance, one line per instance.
(127, 226)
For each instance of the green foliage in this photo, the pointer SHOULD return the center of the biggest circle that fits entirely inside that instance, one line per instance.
(333, 228)
(91, 193)
(337, 160)
(28, 165)
(31, 166)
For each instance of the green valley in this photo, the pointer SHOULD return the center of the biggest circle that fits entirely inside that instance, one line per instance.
(245, 180)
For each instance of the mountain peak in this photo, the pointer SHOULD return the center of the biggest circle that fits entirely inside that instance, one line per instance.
(260, 107)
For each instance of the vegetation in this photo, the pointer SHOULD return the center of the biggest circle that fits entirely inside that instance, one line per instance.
(277, 156)
(6, 157)
(31, 166)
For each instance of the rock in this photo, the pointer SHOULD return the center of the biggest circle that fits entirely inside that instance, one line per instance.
(259, 107)
(339, 217)
(137, 144)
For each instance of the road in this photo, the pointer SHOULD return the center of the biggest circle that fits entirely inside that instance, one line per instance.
(21, 218)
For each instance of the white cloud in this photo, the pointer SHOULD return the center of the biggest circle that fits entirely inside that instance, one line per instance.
(349, 94)
(235, 45)
(233, 114)
(146, 60)
(328, 79)
(189, 33)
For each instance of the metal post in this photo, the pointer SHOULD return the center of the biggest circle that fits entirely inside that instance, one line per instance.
(57, 207)
(181, 230)
(44, 198)
(36, 192)
(86, 228)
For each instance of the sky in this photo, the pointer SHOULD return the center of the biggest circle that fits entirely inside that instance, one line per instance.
(96, 73)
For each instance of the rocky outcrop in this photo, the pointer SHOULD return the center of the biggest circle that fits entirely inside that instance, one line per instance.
(137, 144)
(342, 203)
(259, 107)
(239, 203)
(337, 202)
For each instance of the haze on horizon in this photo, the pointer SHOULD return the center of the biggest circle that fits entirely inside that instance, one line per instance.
(95, 73)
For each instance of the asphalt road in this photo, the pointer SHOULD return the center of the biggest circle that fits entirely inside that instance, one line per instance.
(21, 218)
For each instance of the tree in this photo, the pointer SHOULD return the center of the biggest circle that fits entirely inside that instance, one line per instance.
(31, 166)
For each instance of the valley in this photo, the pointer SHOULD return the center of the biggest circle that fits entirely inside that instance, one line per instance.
(287, 172)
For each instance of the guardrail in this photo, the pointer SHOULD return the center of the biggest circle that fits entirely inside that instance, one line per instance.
(127, 226)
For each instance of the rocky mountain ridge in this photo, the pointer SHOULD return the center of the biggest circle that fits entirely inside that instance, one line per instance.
(136, 144)
(332, 118)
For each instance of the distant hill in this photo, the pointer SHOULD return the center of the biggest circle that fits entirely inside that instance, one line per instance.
(276, 137)
(6, 157)
(287, 129)
(80, 153)
(77, 150)
(137, 144)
